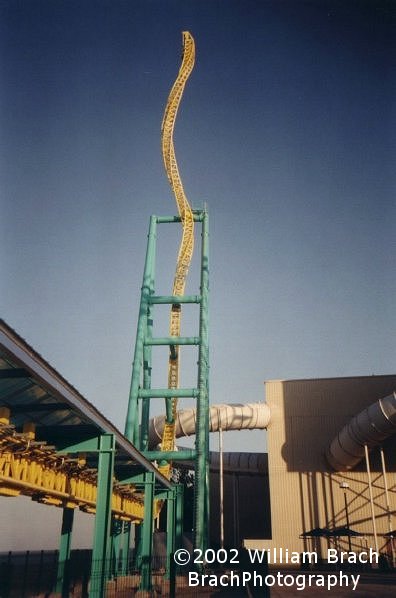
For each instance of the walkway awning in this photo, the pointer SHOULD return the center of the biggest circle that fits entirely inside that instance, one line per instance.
(37, 403)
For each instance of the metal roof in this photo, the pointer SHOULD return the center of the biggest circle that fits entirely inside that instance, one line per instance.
(35, 392)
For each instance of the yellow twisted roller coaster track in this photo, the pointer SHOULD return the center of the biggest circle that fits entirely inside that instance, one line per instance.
(187, 242)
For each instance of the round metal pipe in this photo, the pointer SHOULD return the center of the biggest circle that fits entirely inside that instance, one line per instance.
(368, 428)
(227, 417)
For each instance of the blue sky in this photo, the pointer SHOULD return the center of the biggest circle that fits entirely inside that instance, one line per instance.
(286, 132)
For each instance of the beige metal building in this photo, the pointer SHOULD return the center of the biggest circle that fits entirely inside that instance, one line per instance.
(305, 491)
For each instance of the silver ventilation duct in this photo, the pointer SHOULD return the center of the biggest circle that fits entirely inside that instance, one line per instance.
(370, 427)
(230, 417)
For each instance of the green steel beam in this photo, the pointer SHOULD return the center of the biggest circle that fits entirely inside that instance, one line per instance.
(146, 540)
(174, 299)
(132, 418)
(172, 340)
(174, 533)
(127, 478)
(63, 573)
(198, 215)
(201, 513)
(125, 544)
(179, 516)
(170, 537)
(164, 393)
(162, 494)
(89, 445)
(183, 455)
(101, 543)
(116, 545)
(147, 368)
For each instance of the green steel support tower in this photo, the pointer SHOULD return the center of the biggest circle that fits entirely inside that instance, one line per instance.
(141, 393)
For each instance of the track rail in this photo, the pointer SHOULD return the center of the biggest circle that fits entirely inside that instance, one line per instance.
(187, 242)
(33, 468)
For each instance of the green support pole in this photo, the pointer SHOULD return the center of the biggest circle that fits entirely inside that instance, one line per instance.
(116, 546)
(62, 579)
(113, 552)
(147, 355)
(146, 538)
(170, 532)
(170, 573)
(137, 545)
(125, 544)
(101, 543)
(179, 516)
(176, 537)
(201, 509)
(132, 419)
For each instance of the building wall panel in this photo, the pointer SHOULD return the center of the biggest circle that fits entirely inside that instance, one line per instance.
(304, 491)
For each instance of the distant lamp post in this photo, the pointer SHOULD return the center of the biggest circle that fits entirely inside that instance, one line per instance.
(344, 487)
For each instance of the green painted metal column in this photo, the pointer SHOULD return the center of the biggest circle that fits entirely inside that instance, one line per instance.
(63, 574)
(147, 348)
(146, 537)
(170, 572)
(125, 544)
(116, 546)
(170, 531)
(101, 553)
(147, 356)
(132, 419)
(201, 508)
(179, 516)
